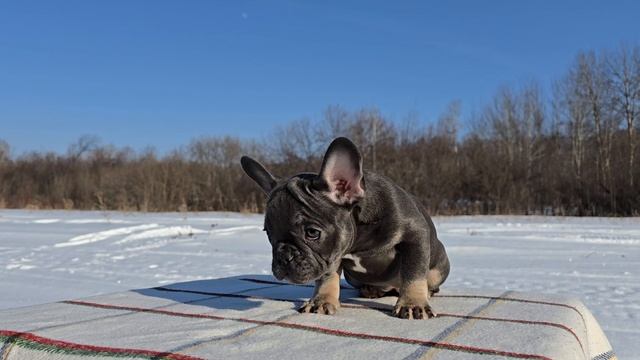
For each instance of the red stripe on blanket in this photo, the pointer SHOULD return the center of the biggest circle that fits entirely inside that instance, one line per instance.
(486, 318)
(515, 300)
(65, 345)
(345, 304)
(328, 331)
(259, 281)
(517, 321)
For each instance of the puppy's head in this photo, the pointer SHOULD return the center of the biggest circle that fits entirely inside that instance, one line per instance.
(308, 216)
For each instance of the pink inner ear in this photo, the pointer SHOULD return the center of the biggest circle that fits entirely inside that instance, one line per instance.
(344, 183)
(346, 187)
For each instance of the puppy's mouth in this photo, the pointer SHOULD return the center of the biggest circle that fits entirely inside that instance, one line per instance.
(295, 280)
(293, 275)
(295, 267)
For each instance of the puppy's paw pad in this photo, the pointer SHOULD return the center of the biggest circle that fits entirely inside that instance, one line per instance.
(320, 306)
(413, 312)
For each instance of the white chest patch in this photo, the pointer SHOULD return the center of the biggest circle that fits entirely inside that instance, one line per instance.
(357, 267)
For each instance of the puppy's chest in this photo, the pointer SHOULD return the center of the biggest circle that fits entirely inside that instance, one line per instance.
(363, 264)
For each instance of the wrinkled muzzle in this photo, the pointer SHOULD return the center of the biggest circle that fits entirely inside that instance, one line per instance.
(293, 265)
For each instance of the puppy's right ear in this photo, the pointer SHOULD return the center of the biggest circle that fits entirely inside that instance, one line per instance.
(258, 173)
(342, 172)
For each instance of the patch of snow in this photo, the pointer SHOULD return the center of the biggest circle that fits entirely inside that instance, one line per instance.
(235, 229)
(102, 235)
(97, 221)
(46, 221)
(171, 231)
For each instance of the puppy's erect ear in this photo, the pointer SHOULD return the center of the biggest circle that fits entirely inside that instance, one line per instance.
(258, 173)
(342, 172)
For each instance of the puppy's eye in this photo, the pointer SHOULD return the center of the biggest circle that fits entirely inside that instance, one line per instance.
(311, 233)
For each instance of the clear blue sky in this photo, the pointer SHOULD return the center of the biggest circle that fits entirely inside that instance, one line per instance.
(162, 72)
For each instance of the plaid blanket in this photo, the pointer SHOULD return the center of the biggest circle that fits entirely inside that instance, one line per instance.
(255, 317)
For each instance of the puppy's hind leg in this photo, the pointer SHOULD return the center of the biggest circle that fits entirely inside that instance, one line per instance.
(439, 273)
(434, 279)
(374, 292)
(371, 291)
(413, 302)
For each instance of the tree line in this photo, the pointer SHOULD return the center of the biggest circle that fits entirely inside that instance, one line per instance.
(573, 151)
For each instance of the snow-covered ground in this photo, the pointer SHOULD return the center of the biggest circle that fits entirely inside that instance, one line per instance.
(54, 255)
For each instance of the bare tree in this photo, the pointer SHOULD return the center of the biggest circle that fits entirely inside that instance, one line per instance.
(623, 70)
(595, 91)
(573, 111)
(336, 122)
(224, 151)
(83, 145)
(5, 151)
(449, 122)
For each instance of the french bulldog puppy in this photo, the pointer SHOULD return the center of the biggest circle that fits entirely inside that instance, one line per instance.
(347, 219)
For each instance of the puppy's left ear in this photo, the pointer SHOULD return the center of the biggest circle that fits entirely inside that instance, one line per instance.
(342, 172)
(259, 174)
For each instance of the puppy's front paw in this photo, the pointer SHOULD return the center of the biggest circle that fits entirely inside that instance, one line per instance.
(321, 305)
(409, 310)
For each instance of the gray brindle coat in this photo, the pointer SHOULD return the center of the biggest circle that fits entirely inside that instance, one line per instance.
(347, 219)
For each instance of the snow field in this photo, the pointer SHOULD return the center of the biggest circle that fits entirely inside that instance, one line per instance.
(54, 255)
